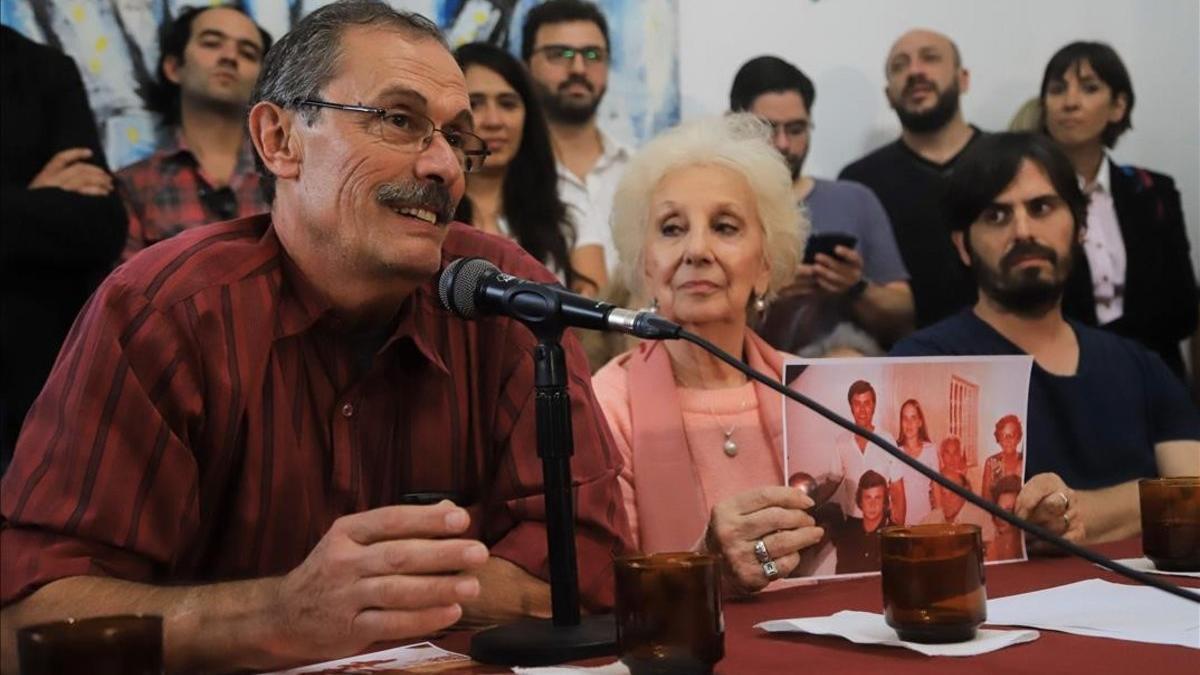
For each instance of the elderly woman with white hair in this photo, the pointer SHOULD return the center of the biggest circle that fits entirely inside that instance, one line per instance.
(707, 229)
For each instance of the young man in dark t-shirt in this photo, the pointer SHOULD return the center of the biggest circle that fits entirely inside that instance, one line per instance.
(1103, 411)
(925, 78)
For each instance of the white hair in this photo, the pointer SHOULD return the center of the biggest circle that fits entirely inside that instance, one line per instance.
(740, 142)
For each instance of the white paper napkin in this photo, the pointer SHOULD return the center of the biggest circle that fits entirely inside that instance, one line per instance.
(614, 668)
(1098, 608)
(409, 656)
(1144, 565)
(865, 628)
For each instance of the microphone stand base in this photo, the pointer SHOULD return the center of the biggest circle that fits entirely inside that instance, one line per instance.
(538, 642)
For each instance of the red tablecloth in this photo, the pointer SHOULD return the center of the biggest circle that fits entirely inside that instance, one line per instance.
(749, 650)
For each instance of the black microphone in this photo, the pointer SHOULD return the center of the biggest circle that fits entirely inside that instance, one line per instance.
(473, 287)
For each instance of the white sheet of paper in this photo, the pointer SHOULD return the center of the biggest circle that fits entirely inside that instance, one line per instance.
(408, 656)
(1144, 565)
(1100, 608)
(614, 668)
(865, 628)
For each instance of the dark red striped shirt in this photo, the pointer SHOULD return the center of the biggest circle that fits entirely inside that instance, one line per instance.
(206, 420)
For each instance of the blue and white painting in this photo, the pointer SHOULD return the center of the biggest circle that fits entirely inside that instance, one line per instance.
(115, 44)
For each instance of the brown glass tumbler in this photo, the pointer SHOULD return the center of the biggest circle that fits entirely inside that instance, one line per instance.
(933, 583)
(669, 613)
(1171, 522)
(105, 645)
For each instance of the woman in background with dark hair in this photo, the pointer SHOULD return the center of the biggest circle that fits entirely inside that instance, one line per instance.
(1136, 278)
(515, 193)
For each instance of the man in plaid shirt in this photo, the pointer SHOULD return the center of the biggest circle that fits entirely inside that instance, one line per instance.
(210, 58)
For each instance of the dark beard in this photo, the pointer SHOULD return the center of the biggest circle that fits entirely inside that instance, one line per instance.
(795, 164)
(1024, 293)
(933, 119)
(560, 109)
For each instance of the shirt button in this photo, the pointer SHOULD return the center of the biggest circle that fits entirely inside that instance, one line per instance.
(347, 409)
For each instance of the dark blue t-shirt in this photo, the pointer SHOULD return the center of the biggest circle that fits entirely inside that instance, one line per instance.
(1095, 428)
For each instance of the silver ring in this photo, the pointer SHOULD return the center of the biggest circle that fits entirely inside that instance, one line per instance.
(1067, 520)
(771, 570)
(761, 553)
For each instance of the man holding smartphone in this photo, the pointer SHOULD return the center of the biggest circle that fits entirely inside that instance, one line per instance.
(852, 271)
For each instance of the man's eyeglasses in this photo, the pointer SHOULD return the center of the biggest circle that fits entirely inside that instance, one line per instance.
(414, 131)
(564, 55)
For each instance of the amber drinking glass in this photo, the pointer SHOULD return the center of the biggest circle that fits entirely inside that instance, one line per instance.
(105, 645)
(669, 613)
(1171, 522)
(933, 583)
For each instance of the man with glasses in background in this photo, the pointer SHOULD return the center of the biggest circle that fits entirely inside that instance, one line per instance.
(258, 428)
(863, 282)
(566, 47)
(209, 59)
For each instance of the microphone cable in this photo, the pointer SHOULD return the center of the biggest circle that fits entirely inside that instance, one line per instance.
(1036, 530)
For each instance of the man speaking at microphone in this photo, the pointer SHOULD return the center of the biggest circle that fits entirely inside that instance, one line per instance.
(235, 425)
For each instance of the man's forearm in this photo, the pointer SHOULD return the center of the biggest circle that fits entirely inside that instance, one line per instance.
(217, 627)
(1110, 513)
(885, 310)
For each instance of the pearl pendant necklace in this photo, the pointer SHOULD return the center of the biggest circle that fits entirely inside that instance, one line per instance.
(730, 446)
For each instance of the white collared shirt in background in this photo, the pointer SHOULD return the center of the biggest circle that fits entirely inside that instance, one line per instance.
(1104, 247)
(594, 196)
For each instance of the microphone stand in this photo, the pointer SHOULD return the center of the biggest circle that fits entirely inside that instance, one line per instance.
(567, 636)
(1020, 523)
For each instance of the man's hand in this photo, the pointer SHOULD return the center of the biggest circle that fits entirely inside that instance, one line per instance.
(827, 275)
(1047, 501)
(803, 284)
(836, 274)
(773, 514)
(381, 575)
(69, 170)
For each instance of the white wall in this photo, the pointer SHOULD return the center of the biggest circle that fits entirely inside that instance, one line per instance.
(841, 45)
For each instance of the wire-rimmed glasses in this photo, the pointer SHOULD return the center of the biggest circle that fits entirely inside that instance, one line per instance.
(407, 129)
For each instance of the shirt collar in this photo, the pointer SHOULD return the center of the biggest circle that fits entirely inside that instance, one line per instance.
(612, 151)
(1103, 178)
(179, 150)
(302, 306)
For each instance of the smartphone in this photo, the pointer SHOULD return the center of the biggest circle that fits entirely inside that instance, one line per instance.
(428, 498)
(825, 242)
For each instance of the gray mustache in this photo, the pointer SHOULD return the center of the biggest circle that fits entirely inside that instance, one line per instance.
(430, 196)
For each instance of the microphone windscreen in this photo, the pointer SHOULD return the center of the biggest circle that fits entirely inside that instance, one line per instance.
(458, 283)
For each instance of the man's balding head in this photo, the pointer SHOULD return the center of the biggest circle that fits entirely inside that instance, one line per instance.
(924, 36)
(924, 80)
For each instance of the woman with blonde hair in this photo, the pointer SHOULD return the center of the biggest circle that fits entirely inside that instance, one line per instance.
(707, 229)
